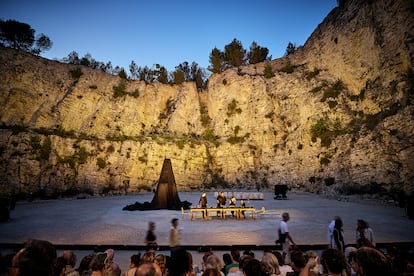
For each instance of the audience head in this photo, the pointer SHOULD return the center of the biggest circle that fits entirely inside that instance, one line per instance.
(36, 258)
(148, 269)
(213, 262)
(110, 253)
(253, 268)
(227, 259)
(370, 262)
(135, 260)
(279, 257)
(98, 261)
(85, 263)
(181, 262)
(243, 261)
(333, 260)
(235, 254)
(211, 272)
(161, 260)
(148, 257)
(297, 260)
(270, 264)
(69, 257)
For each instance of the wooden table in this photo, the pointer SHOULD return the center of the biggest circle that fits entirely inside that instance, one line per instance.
(222, 212)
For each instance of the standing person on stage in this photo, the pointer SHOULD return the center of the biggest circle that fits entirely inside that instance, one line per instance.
(364, 234)
(151, 239)
(337, 236)
(284, 237)
(221, 201)
(203, 202)
(174, 234)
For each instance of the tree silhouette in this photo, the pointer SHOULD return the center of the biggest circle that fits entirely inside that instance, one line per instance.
(257, 54)
(216, 61)
(20, 36)
(235, 54)
(291, 48)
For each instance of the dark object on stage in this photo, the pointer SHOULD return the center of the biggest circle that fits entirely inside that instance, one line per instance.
(5, 207)
(410, 207)
(166, 195)
(280, 191)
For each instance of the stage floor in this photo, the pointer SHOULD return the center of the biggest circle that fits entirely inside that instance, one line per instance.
(100, 220)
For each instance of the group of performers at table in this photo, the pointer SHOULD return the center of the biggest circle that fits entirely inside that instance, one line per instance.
(221, 202)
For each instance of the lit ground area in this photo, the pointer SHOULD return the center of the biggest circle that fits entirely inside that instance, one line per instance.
(100, 221)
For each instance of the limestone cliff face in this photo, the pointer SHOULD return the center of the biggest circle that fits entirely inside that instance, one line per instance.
(337, 115)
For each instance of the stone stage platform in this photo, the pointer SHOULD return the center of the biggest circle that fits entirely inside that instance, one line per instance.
(101, 221)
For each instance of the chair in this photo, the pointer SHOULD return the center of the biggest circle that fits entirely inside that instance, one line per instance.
(184, 213)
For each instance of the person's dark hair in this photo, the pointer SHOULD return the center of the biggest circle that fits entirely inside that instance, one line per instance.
(36, 258)
(227, 259)
(333, 260)
(253, 268)
(174, 220)
(59, 265)
(84, 263)
(279, 257)
(136, 259)
(248, 252)
(98, 261)
(235, 253)
(372, 261)
(338, 223)
(180, 263)
(298, 258)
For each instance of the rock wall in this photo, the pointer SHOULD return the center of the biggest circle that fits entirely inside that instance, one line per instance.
(338, 115)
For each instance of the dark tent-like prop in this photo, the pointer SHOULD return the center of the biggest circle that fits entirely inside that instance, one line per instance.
(166, 195)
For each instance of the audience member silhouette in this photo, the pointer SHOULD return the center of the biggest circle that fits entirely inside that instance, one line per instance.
(134, 262)
(270, 264)
(370, 262)
(111, 268)
(301, 265)
(84, 265)
(37, 257)
(70, 262)
(97, 264)
(283, 268)
(181, 263)
(148, 269)
(230, 265)
(333, 262)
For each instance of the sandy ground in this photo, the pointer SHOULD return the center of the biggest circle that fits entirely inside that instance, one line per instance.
(100, 220)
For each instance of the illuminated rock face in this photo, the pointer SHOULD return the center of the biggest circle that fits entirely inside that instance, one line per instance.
(344, 115)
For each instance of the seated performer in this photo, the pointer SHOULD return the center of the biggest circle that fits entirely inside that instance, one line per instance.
(232, 204)
(221, 201)
(203, 201)
(243, 205)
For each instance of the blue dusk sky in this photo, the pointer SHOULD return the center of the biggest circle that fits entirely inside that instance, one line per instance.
(167, 32)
